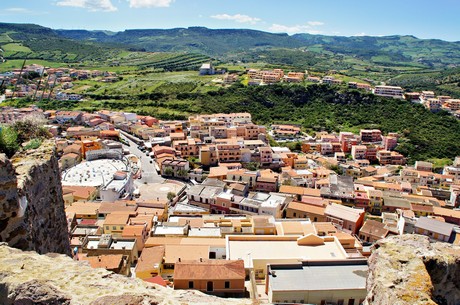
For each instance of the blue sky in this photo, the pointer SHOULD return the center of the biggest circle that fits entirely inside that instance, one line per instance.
(421, 18)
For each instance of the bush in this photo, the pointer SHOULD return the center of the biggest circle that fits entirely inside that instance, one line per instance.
(33, 144)
(8, 141)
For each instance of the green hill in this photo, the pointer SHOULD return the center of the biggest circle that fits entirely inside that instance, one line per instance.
(389, 50)
(32, 41)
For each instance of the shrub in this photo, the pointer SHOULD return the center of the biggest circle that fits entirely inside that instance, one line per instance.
(8, 141)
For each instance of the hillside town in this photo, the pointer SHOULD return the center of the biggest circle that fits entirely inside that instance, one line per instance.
(208, 204)
(39, 82)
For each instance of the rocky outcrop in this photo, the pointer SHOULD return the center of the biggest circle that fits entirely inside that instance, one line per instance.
(410, 269)
(30, 278)
(32, 215)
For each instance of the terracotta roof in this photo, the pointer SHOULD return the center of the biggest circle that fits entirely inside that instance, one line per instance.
(117, 218)
(194, 222)
(421, 208)
(132, 230)
(149, 257)
(83, 208)
(217, 269)
(307, 208)
(324, 227)
(109, 207)
(446, 212)
(156, 280)
(84, 192)
(112, 261)
(313, 200)
(374, 228)
(238, 186)
(174, 253)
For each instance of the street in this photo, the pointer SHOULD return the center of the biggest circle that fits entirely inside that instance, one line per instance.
(149, 173)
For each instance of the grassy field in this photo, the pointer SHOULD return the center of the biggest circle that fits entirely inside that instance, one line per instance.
(4, 38)
(15, 47)
(17, 63)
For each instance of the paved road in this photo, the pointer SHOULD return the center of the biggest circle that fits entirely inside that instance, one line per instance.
(149, 173)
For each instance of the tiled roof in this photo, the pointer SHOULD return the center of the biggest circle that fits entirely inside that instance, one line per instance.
(109, 262)
(210, 270)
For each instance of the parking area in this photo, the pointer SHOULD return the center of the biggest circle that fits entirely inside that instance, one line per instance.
(154, 191)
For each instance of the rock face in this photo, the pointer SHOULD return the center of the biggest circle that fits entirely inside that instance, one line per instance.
(409, 269)
(32, 215)
(30, 278)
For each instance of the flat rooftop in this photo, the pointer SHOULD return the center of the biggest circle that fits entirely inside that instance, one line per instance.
(308, 278)
(93, 173)
(283, 248)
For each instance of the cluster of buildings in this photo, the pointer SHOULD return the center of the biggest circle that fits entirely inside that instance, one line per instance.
(256, 218)
(427, 98)
(436, 103)
(260, 77)
(49, 82)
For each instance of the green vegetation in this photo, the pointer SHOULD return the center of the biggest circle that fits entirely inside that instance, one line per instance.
(170, 196)
(31, 41)
(8, 140)
(425, 135)
(157, 72)
(29, 131)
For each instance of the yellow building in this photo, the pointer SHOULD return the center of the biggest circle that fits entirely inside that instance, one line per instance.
(115, 222)
(150, 262)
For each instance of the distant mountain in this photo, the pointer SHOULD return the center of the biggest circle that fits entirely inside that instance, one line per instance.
(37, 42)
(239, 44)
(219, 42)
(193, 39)
(388, 48)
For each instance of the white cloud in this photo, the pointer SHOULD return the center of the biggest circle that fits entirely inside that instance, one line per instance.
(315, 23)
(17, 10)
(12, 11)
(149, 3)
(91, 5)
(279, 28)
(309, 27)
(238, 18)
(360, 34)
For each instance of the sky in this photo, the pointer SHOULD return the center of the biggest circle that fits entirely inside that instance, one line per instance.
(424, 19)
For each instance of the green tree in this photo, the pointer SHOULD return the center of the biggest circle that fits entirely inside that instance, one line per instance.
(182, 173)
(8, 141)
(252, 166)
(171, 196)
(168, 172)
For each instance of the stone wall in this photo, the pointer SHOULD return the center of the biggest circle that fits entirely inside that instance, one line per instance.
(412, 270)
(29, 278)
(32, 215)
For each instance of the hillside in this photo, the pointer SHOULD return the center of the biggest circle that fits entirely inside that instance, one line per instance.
(30, 41)
(194, 39)
(389, 50)
(425, 135)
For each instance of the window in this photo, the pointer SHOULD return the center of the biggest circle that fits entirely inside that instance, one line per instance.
(295, 214)
(190, 285)
(107, 227)
(351, 302)
(227, 285)
(114, 227)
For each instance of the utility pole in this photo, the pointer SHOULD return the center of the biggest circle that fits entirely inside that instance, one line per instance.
(19, 78)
